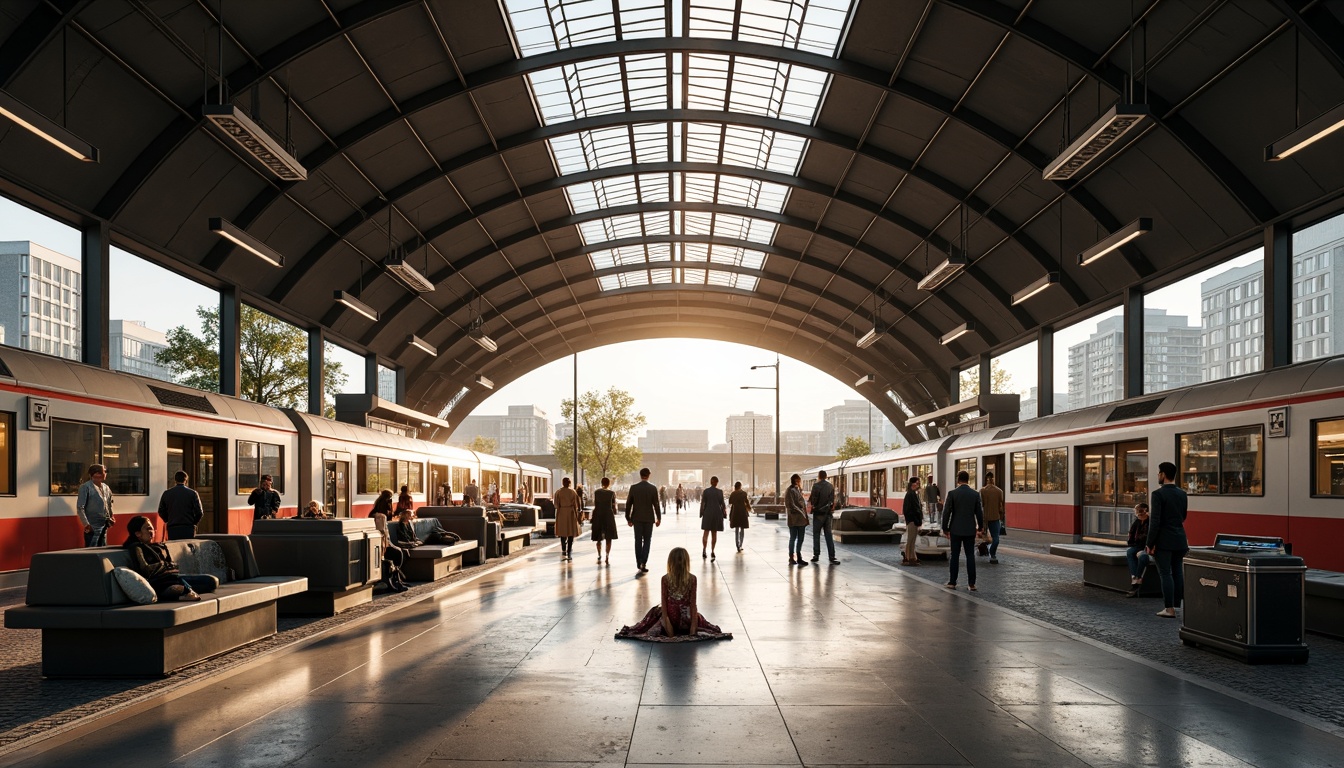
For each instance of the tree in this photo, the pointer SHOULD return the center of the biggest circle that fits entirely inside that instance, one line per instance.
(1000, 382)
(607, 426)
(481, 444)
(853, 448)
(273, 358)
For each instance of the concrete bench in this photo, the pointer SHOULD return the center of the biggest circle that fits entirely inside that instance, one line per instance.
(470, 524)
(1325, 603)
(91, 629)
(513, 539)
(865, 524)
(431, 562)
(1104, 566)
(341, 558)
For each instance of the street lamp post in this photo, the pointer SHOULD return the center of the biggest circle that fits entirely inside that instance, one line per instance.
(753, 457)
(732, 462)
(775, 365)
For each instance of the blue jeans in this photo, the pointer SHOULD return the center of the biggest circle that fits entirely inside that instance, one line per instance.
(98, 536)
(1169, 569)
(643, 542)
(797, 534)
(1138, 559)
(822, 523)
(993, 526)
(960, 543)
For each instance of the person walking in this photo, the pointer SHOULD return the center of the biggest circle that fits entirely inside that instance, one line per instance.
(567, 523)
(991, 496)
(795, 506)
(662, 496)
(963, 518)
(822, 501)
(264, 499)
(471, 494)
(643, 513)
(180, 509)
(933, 499)
(604, 518)
(739, 514)
(1167, 543)
(93, 506)
(913, 510)
(713, 510)
(680, 498)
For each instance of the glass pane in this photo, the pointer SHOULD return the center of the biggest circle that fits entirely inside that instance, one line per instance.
(1029, 473)
(968, 382)
(387, 384)
(1199, 462)
(174, 340)
(1055, 470)
(74, 446)
(1318, 252)
(1134, 477)
(1241, 461)
(1014, 373)
(6, 453)
(1019, 481)
(41, 259)
(274, 357)
(1226, 338)
(1329, 458)
(177, 460)
(345, 371)
(969, 467)
(273, 464)
(1098, 475)
(249, 467)
(1089, 356)
(125, 454)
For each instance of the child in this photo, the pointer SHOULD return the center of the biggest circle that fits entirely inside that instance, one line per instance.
(676, 618)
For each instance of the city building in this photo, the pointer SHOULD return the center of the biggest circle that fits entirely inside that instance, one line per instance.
(739, 429)
(43, 313)
(132, 347)
(1171, 358)
(673, 440)
(523, 431)
(802, 442)
(855, 418)
(1318, 268)
(1233, 316)
(1028, 409)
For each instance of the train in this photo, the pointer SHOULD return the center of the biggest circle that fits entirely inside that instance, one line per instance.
(1260, 454)
(58, 416)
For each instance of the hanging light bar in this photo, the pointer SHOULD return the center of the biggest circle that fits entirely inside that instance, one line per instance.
(1099, 137)
(957, 333)
(348, 299)
(408, 274)
(1329, 122)
(866, 378)
(484, 382)
(42, 127)
(422, 345)
(944, 272)
(1133, 229)
(870, 338)
(255, 141)
(233, 233)
(477, 334)
(1031, 290)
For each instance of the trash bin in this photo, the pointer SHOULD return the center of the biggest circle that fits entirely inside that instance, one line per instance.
(1244, 596)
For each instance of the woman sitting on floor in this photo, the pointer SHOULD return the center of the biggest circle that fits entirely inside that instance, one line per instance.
(677, 619)
(151, 560)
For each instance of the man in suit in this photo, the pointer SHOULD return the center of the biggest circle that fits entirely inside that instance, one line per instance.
(963, 518)
(643, 512)
(822, 500)
(1167, 543)
(992, 498)
(180, 509)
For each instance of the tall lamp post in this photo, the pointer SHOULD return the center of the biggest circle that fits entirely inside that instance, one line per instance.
(775, 365)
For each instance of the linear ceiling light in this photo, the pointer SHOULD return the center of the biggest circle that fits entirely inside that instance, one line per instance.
(1329, 122)
(255, 141)
(484, 382)
(957, 333)
(1031, 290)
(1105, 133)
(944, 272)
(422, 345)
(408, 274)
(477, 334)
(349, 300)
(1133, 229)
(47, 130)
(866, 378)
(870, 338)
(231, 232)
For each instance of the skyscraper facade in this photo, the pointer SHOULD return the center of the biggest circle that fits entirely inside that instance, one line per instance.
(40, 304)
(1171, 358)
(1233, 316)
(855, 418)
(132, 347)
(523, 431)
(740, 428)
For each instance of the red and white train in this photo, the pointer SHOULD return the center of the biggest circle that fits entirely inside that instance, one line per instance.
(57, 417)
(1261, 455)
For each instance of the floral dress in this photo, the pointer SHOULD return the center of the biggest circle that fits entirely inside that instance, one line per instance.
(679, 609)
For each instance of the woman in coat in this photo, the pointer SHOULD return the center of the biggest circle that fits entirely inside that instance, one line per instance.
(712, 513)
(604, 518)
(739, 513)
(567, 522)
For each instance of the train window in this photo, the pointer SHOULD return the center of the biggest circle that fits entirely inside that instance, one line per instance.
(1198, 453)
(1099, 475)
(1328, 468)
(7, 454)
(1133, 465)
(257, 459)
(1055, 470)
(922, 471)
(461, 476)
(76, 445)
(1227, 461)
(1024, 471)
(969, 467)
(414, 473)
(377, 474)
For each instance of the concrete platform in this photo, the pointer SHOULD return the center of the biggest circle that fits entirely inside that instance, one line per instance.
(858, 663)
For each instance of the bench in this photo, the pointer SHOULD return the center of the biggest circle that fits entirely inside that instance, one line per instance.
(431, 562)
(770, 510)
(471, 525)
(1104, 566)
(341, 558)
(514, 538)
(1325, 603)
(91, 629)
(865, 524)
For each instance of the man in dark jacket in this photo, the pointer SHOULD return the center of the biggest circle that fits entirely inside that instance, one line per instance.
(643, 513)
(180, 509)
(963, 518)
(822, 500)
(1166, 537)
(264, 499)
(913, 510)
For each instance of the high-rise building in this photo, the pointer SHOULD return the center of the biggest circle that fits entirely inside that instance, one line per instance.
(673, 440)
(802, 442)
(523, 431)
(43, 313)
(132, 347)
(739, 430)
(1171, 358)
(856, 418)
(1028, 409)
(1233, 316)
(1318, 268)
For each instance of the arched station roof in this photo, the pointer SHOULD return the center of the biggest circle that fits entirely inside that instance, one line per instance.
(574, 173)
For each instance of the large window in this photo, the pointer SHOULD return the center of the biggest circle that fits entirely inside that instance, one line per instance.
(257, 459)
(1014, 373)
(1222, 461)
(1327, 437)
(1089, 361)
(1025, 465)
(41, 260)
(1055, 470)
(155, 338)
(922, 471)
(969, 467)
(1318, 257)
(76, 444)
(968, 383)
(7, 454)
(379, 473)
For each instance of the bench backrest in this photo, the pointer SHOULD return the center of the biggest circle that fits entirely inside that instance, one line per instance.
(84, 576)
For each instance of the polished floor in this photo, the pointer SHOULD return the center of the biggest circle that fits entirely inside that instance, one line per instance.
(833, 665)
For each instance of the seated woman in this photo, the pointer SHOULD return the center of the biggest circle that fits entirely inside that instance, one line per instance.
(151, 560)
(394, 557)
(677, 619)
(404, 500)
(1136, 553)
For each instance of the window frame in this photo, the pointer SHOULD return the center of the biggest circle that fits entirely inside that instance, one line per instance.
(1315, 436)
(1218, 471)
(1040, 469)
(277, 477)
(11, 453)
(99, 458)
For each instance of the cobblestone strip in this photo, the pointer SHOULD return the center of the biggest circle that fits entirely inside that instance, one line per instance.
(34, 708)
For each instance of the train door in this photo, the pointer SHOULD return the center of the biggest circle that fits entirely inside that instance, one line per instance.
(877, 487)
(336, 483)
(995, 464)
(437, 493)
(202, 458)
(1114, 479)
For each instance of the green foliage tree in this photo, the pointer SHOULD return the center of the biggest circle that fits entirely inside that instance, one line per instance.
(853, 448)
(273, 357)
(607, 425)
(1000, 382)
(481, 444)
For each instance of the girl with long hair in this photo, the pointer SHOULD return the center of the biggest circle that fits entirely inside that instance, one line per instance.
(677, 618)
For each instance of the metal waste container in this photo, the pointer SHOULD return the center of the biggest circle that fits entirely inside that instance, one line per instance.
(1244, 596)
